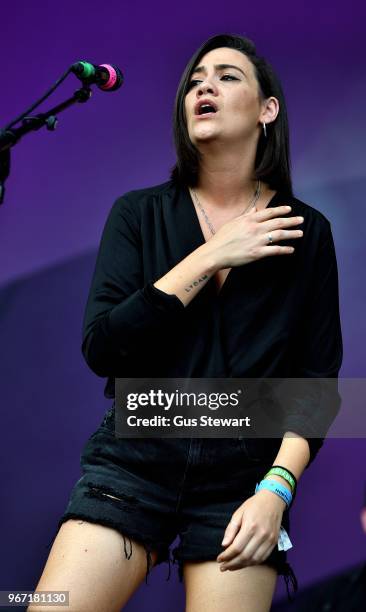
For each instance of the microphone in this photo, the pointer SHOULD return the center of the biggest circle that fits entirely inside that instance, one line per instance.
(106, 76)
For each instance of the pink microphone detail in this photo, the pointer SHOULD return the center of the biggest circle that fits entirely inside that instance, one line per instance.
(112, 76)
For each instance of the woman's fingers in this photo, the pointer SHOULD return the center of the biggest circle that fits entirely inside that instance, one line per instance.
(279, 228)
(246, 237)
(269, 213)
(231, 531)
(255, 535)
(263, 552)
(244, 552)
(235, 549)
(283, 234)
(281, 222)
(240, 553)
(276, 249)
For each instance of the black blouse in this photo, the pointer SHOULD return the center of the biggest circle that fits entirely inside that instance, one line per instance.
(275, 317)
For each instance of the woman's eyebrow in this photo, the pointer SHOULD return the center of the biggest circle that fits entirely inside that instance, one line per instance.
(219, 67)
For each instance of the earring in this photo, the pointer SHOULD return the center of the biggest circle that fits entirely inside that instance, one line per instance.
(265, 130)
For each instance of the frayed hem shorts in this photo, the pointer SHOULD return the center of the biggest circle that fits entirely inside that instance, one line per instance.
(153, 489)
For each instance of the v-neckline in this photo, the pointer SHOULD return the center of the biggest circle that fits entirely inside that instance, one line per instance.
(196, 227)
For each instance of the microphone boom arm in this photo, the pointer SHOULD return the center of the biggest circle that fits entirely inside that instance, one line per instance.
(10, 137)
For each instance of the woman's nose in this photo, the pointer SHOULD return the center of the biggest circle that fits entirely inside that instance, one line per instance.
(206, 86)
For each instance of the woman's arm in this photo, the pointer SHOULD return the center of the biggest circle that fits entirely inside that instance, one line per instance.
(124, 315)
(190, 275)
(319, 352)
(121, 310)
(294, 454)
(253, 529)
(237, 242)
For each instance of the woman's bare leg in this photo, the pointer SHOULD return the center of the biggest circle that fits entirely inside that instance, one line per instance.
(89, 561)
(249, 589)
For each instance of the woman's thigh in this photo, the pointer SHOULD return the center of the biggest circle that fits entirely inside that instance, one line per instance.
(249, 589)
(86, 559)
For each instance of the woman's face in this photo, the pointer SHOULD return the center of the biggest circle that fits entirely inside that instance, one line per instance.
(234, 92)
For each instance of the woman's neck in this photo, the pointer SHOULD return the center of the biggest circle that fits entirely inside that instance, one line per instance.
(226, 174)
(230, 195)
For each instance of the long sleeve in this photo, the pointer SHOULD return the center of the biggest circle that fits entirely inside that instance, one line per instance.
(319, 350)
(122, 311)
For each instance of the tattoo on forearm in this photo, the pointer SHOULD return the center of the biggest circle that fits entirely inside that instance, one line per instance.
(196, 282)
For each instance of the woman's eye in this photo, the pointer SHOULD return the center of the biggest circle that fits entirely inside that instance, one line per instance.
(224, 76)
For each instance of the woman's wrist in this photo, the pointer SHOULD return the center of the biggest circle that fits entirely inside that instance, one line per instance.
(209, 255)
(273, 497)
(278, 488)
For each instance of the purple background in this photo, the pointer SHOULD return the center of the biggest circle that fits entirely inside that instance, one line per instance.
(60, 191)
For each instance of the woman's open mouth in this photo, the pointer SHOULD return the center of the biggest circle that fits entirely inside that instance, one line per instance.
(205, 108)
(206, 115)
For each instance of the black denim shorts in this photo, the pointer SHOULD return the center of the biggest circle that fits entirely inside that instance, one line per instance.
(153, 490)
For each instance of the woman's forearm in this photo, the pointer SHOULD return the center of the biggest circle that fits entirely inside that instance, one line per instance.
(294, 454)
(190, 275)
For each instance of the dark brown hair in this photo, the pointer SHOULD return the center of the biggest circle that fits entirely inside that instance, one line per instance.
(272, 163)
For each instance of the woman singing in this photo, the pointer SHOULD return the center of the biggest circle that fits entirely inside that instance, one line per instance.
(219, 272)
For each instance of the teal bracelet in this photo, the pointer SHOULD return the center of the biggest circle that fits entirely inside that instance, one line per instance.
(275, 487)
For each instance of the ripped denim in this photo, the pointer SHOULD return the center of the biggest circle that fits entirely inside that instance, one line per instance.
(153, 490)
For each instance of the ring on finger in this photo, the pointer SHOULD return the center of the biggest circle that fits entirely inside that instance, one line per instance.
(270, 239)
